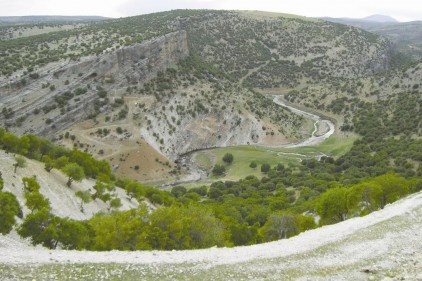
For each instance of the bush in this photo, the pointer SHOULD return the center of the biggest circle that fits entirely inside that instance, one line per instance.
(34, 75)
(119, 130)
(228, 158)
(178, 191)
(265, 168)
(218, 170)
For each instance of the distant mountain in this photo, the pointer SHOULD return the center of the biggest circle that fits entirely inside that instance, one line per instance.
(47, 19)
(373, 20)
(380, 18)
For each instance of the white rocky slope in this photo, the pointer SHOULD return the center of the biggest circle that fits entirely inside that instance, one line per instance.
(385, 245)
(63, 201)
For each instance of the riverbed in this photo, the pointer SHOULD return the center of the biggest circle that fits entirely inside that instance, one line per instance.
(323, 129)
(314, 139)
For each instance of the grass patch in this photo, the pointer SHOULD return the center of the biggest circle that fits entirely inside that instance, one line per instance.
(335, 146)
(244, 155)
(204, 160)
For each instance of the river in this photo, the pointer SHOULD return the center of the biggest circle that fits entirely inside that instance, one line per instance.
(196, 174)
(314, 139)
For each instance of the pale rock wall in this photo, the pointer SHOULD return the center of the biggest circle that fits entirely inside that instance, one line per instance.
(131, 65)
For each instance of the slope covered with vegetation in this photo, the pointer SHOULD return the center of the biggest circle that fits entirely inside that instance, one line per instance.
(228, 52)
(225, 214)
(270, 51)
(404, 35)
(329, 67)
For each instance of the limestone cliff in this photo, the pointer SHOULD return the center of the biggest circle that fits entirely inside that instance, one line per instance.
(112, 71)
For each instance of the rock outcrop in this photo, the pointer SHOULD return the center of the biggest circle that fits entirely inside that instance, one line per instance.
(214, 129)
(113, 71)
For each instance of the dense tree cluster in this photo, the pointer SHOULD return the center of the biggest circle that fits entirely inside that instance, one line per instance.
(9, 209)
(73, 162)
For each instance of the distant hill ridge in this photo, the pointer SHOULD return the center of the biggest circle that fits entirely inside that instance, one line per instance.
(406, 36)
(379, 18)
(374, 19)
(47, 19)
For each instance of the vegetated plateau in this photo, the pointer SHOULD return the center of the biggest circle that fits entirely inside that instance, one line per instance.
(97, 113)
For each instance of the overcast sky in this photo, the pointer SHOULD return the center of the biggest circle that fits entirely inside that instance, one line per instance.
(402, 10)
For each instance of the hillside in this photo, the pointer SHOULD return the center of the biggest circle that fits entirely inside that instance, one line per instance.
(63, 199)
(352, 97)
(384, 245)
(291, 137)
(19, 20)
(114, 74)
(266, 51)
(404, 35)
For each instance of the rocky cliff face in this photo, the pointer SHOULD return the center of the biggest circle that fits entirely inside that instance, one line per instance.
(111, 71)
(214, 129)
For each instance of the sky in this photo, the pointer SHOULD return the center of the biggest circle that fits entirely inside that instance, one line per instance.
(401, 10)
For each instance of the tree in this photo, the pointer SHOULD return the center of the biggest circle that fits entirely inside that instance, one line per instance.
(134, 189)
(36, 201)
(72, 234)
(10, 142)
(74, 172)
(24, 145)
(243, 234)
(218, 170)
(101, 189)
(214, 193)
(40, 227)
(193, 227)
(332, 206)
(48, 163)
(253, 165)
(61, 162)
(45, 147)
(279, 226)
(178, 191)
(9, 208)
(30, 184)
(120, 230)
(280, 167)
(202, 191)
(85, 197)
(1, 182)
(228, 158)
(393, 187)
(20, 162)
(265, 168)
(33, 150)
(361, 197)
(115, 204)
(50, 231)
